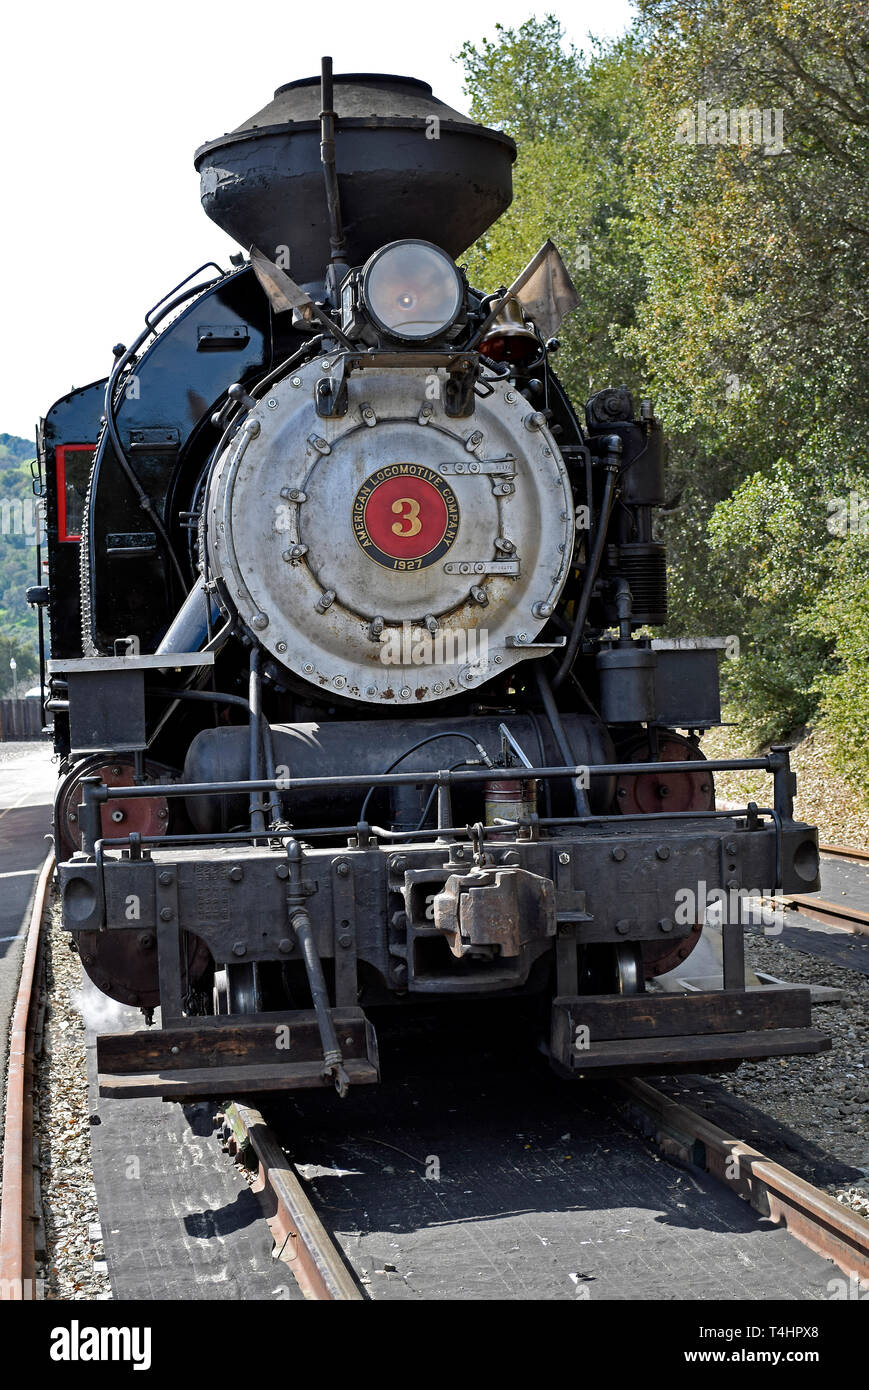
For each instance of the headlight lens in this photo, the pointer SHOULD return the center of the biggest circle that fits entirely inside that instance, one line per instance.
(412, 290)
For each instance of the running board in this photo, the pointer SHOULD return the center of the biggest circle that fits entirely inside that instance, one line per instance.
(228, 1056)
(632, 1034)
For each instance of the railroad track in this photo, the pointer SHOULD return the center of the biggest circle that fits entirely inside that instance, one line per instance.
(861, 856)
(301, 1237)
(21, 1208)
(810, 1215)
(836, 914)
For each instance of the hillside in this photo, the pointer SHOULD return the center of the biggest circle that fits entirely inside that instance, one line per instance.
(18, 629)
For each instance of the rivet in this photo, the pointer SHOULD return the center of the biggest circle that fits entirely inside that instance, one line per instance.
(297, 381)
(733, 883)
(281, 871)
(405, 692)
(174, 1051)
(281, 647)
(618, 853)
(166, 914)
(308, 669)
(663, 852)
(665, 924)
(285, 944)
(397, 864)
(345, 942)
(731, 848)
(260, 621)
(623, 928)
(235, 874)
(239, 949)
(165, 878)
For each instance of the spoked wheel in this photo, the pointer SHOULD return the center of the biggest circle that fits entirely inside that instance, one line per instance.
(237, 989)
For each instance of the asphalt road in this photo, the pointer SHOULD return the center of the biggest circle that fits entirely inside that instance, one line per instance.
(27, 779)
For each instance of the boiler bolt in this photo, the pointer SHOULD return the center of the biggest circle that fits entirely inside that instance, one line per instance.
(663, 852)
(618, 853)
(281, 647)
(235, 874)
(272, 403)
(166, 914)
(239, 949)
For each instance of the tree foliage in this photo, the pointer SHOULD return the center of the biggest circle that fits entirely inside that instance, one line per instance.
(716, 163)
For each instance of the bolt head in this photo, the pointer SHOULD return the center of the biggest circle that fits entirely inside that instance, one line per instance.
(663, 851)
(665, 924)
(285, 944)
(731, 848)
(564, 857)
(281, 871)
(166, 914)
(165, 878)
(342, 868)
(618, 854)
(236, 873)
(239, 949)
(345, 941)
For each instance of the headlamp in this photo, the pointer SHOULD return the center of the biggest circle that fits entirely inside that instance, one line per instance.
(412, 290)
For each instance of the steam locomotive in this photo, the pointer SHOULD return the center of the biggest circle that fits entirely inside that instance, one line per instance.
(349, 682)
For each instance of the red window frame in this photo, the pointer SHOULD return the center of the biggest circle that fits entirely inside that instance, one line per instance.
(60, 474)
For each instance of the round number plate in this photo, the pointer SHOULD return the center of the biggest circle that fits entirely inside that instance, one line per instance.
(405, 517)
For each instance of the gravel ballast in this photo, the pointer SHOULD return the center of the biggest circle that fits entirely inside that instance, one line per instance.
(75, 1264)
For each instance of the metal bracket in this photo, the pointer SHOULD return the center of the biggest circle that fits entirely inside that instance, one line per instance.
(344, 931)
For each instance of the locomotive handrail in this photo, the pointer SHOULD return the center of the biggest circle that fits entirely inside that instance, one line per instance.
(100, 793)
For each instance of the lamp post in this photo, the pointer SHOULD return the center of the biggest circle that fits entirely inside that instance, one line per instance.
(13, 666)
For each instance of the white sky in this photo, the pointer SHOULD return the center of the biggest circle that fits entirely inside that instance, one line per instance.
(101, 108)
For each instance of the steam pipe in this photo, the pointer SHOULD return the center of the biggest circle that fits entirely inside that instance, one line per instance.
(591, 571)
(257, 817)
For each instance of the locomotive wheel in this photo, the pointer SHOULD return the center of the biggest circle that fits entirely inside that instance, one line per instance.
(123, 963)
(629, 968)
(237, 989)
(147, 816)
(643, 792)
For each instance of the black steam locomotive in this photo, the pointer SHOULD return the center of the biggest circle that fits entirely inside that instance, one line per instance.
(345, 669)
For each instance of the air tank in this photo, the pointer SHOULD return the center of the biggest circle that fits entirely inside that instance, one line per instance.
(407, 164)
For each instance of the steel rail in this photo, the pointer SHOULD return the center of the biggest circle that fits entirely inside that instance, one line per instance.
(836, 914)
(813, 1217)
(17, 1215)
(845, 852)
(301, 1239)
